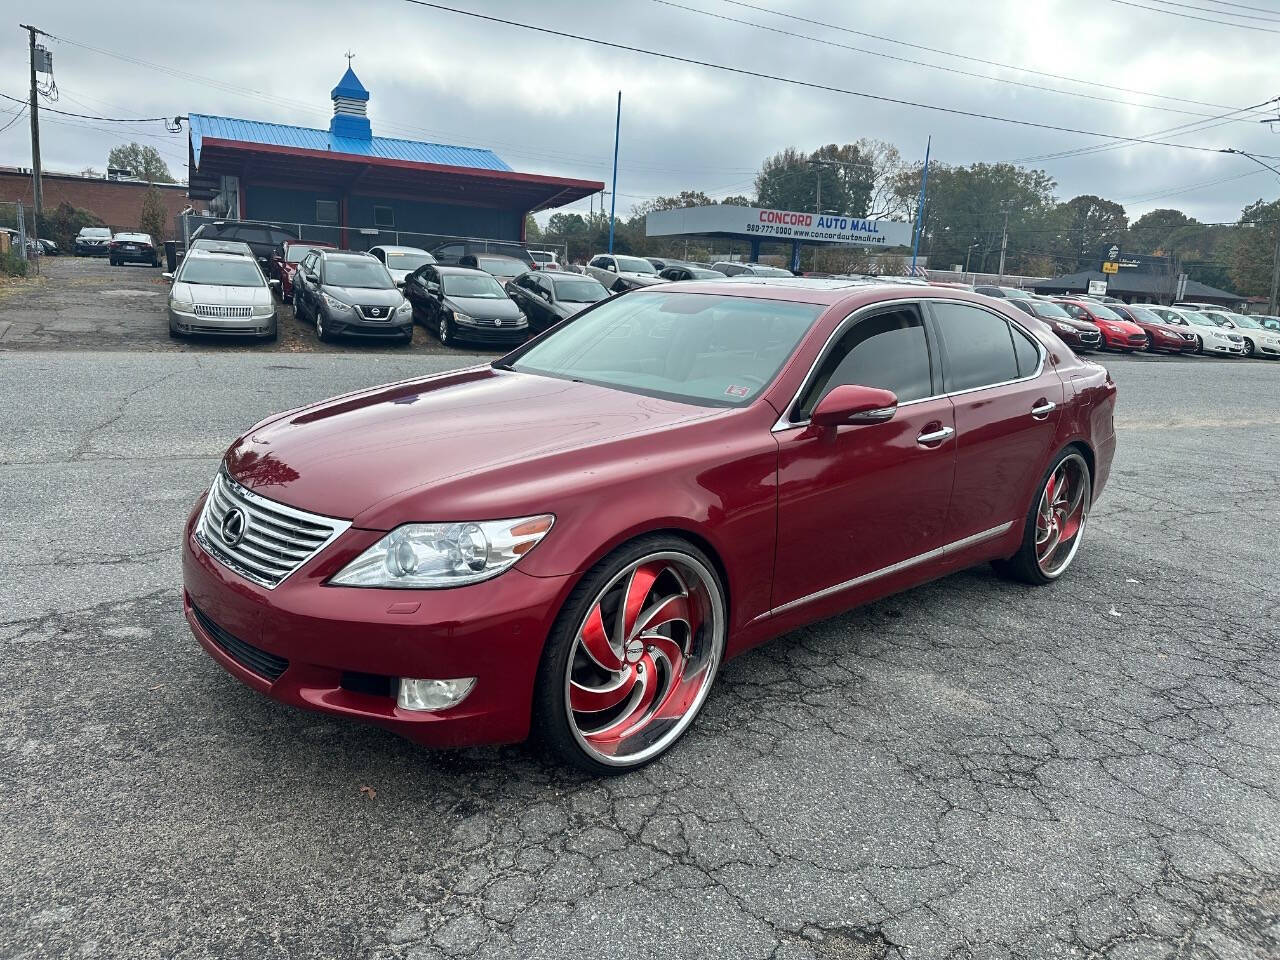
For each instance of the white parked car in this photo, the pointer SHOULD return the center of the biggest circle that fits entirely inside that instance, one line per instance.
(1211, 335)
(1258, 339)
(401, 261)
(618, 273)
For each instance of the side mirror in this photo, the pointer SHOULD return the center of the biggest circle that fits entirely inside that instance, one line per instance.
(611, 268)
(167, 276)
(400, 284)
(853, 404)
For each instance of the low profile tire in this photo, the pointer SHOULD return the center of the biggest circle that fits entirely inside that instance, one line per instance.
(1055, 523)
(631, 657)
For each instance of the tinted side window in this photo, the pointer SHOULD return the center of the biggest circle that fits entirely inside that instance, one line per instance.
(1027, 352)
(887, 350)
(977, 346)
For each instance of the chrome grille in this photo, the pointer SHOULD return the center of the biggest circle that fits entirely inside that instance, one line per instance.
(276, 539)
(222, 311)
(379, 313)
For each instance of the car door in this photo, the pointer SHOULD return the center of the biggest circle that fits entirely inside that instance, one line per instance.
(1007, 398)
(305, 280)
(857, 502)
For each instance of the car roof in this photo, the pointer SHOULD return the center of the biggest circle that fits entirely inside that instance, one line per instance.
(797, 289)
(392, 248)
(322, 244)
(198, 254)
(561, 275)
(334, 252)
(493, 256)
(446, 268)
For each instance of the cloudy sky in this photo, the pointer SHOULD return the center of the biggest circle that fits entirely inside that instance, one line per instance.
(546, 104)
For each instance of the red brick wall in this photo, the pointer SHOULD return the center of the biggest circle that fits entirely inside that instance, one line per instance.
(118, 203)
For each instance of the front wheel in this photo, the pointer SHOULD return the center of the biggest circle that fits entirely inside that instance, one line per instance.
(1248, 347)
(321, 330)
(445, 331)
(632, 656)
(1199, 344)
(1055, 524)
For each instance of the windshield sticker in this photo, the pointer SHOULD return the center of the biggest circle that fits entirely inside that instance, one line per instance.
(735, 391)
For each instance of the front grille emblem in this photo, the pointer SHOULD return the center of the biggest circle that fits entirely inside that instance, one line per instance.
(232, 528)
(374, 312)
(497, 323)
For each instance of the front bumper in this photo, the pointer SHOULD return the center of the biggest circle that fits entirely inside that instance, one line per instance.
(218, 326)
(504, 335)
(352, 325)
(341, 650)
(1214, 346)
(92, 249)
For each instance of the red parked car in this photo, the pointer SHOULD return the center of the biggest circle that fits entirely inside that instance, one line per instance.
(570, 541)
(1117, 332)
(1160, 335)
(294, 251)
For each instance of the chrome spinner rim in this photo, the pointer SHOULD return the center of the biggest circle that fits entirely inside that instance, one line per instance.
(644, 658)
(1061, 515)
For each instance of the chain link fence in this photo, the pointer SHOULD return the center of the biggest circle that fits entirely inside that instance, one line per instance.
(24, 246)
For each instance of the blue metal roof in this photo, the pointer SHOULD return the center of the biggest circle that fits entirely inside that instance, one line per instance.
(350, 87)
(306, 138)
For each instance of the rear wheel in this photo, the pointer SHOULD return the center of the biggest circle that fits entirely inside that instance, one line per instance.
(632, 656)
(1055, 524)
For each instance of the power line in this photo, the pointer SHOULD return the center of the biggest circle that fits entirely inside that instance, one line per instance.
(1242, 6)
(932, 66)
(972, 59)
(1190, 16)
(86, 116)
(18, 115)
(1224, 13)
(807, 84)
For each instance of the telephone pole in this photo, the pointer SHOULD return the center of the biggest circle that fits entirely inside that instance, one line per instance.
(1004, 240)
(37, 189)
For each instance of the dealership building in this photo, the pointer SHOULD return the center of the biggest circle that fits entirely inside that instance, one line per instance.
(754, 226)
(348, 186)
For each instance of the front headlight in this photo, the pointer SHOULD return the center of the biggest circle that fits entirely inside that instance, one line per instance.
(460, 317)
(405, 308)
(334, 303)
(1064, 328)
(178, 303)
(435, 555)
(263, 310)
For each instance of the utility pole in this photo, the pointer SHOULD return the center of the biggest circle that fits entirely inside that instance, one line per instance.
(37, 189)
(613, 203)
(1004, 240)
(1275, 277)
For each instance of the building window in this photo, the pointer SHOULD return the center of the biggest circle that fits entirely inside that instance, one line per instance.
(326, 211)
(384, 217)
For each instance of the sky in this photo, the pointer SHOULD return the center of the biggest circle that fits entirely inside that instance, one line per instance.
(546, 104)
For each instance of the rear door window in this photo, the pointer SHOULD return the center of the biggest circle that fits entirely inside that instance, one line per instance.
(978, 347)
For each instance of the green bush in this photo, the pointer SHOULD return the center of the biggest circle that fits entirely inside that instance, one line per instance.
(12, 265)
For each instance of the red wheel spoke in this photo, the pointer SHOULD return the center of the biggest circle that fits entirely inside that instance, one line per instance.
(596, 642)
(637, 591)
(595, 699)
(673, 609)
(637, 714)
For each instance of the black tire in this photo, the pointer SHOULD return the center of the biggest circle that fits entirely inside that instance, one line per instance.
(321, 332)
(1199, 345)
(1023, 565)
(298, 312)
(274, 335)
(446, 332)
(114, 262)
(1249, 348)
(551, 723)
(174, 334)
(406, 340)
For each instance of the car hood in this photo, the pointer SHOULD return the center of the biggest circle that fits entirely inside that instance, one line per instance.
(366, 296)
(1084, 326)
(214, 294)
(644, 279)
(567, 308)
(485, 308)
(469, 444)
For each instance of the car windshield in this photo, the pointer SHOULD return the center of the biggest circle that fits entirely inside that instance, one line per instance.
(760, 271)
(634, 265)
(1144, 315)
(1049, 311)
(579, 291)
(222, 273)
(706, 350)
(408, 261)
(541, 257)
(1201, 319)
(296, 252)
(502, 267)
(705, 274)
(1104, 313)
(364, 273)
(1247, 322)
(95, 232)
(478, 285)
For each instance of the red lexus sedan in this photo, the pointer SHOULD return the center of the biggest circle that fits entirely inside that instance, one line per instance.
(569, 541)
(1117, 332)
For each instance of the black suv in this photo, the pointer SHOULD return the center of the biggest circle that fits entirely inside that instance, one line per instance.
(453, 252)
(266, 240)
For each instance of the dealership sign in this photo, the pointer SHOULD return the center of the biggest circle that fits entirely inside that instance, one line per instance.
(768, 224)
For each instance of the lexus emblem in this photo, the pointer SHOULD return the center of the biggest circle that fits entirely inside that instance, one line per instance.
(232, 528)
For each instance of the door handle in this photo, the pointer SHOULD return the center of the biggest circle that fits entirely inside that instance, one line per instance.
(935, 436)
(1043, 409)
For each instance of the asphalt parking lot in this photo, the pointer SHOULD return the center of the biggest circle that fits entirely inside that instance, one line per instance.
(971, 769)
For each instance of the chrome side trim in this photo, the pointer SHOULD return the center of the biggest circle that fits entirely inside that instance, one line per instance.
(785, 423)
(945, 550)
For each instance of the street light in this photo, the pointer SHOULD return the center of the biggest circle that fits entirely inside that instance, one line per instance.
(976, 243)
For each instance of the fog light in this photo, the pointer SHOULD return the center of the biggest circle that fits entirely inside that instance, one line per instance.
(433, 694)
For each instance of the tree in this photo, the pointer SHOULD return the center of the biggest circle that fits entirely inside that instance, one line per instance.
(154, 217)
(788, 181)
(738, 201)
(686, 198)
(1152, 232)
(532, 232)
(1090, 222)
(145, 162)
(1251, 251)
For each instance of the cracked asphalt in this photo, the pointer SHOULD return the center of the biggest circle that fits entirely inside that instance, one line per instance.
(973, 769)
